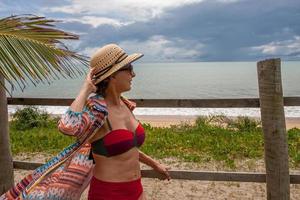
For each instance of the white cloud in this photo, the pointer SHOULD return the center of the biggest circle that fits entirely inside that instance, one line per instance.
(132, 10)
(89, 51)
(97, 21)
(160, 49)
(284, 48)
(229, 1)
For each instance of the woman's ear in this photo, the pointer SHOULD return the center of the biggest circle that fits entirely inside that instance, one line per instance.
(113, 76)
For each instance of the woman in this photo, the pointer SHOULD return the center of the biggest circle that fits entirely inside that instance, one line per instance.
(116, 173)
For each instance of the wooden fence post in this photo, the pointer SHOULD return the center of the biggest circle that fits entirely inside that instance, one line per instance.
(6, 162)
(274, 128)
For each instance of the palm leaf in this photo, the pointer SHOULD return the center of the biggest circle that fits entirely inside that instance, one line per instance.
(31, 49)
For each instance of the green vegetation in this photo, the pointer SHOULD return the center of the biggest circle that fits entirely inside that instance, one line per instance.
(33, 130)
(211, 138)
(30, 117)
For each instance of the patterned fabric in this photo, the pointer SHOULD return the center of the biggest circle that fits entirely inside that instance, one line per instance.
(119, 141)
(21, 190)
(56, 179)
(66, 175)
(67, 182)
(83, 123)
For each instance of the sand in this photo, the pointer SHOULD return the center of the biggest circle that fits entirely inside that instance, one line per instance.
(191, 190)
(168, 120)
(156, 189)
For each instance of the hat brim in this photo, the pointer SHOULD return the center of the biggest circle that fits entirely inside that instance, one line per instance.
(129, 59)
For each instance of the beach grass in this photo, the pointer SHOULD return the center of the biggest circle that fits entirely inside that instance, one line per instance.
(214, 138)
(46, 139)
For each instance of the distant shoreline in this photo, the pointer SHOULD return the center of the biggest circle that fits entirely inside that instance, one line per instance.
(290, 111)
(168, 120)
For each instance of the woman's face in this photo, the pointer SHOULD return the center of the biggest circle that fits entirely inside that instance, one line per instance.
(123, 78)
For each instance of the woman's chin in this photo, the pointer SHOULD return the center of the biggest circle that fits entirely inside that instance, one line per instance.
(127, 89)
(130, 86)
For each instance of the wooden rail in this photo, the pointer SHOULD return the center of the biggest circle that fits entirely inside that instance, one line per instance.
(189, 175)
(183, 103)
(166, 103)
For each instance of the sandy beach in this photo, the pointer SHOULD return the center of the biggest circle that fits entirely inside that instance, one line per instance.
(168, 120)
(156, 189)
(193, 190)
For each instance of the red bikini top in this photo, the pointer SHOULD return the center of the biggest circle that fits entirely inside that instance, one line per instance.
(118, 141)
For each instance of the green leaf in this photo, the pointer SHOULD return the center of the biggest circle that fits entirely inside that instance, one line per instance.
(31, 48)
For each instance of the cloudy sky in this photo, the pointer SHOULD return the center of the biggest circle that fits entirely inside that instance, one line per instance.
(176, 30)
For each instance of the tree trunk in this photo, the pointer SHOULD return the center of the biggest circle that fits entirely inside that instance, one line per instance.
(274, 128)
(6, 162)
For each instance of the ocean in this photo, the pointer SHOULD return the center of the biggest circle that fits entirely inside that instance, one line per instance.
(197, 80)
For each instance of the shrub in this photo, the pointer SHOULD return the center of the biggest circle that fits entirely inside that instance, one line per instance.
(30, 117)
(244, 124)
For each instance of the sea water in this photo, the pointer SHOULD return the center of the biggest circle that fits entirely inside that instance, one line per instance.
(196, 80)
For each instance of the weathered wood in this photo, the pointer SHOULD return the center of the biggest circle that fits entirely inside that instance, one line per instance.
(26, 165)
(198, 103)
(189, 175)
(291, 101)
(210, 176)
(294, 178)
(39, 101)
(185, 103)
(273, 124)
(6, 172)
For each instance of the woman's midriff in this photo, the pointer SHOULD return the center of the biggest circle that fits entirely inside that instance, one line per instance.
(121, 168)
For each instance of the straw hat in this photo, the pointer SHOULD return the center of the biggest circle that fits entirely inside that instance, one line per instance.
(109, 59)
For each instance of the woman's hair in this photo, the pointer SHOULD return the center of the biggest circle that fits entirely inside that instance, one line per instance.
(102, 86)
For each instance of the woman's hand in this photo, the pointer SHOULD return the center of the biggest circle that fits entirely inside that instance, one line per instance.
(88, 84)
(163, 170)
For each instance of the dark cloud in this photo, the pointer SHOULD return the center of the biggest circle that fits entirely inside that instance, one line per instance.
(226, 29)
(221, 31)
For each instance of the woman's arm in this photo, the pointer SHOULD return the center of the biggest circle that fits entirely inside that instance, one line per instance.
(147, 160)
(154, 164)
(87, 88)
(78, 118)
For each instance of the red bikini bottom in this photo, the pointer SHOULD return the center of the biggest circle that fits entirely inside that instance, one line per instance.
(102, 190)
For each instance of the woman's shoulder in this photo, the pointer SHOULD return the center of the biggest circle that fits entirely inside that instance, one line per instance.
(97, 99)
(130, 104)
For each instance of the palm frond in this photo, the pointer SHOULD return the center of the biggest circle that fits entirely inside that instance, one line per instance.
(31, 49)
